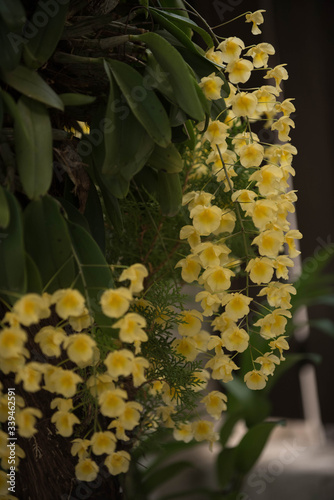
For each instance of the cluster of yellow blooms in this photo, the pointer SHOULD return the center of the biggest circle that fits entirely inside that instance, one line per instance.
(257, 211)
(111, 381)
(82, 352)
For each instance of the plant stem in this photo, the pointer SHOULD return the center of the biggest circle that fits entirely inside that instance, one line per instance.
(64, 58)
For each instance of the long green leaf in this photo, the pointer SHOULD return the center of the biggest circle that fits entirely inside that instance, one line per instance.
(13, 276)
(94, 271)
(250, 447)
(166, 159)
(178, 73)
(175, 31)
(177, 7)
(228, 426)
(34, 280)
(48, 242)
(123, 157)
(218, 110)
(164, 474)
(112, 207)
(225, 467)
(169, 193)
(191, 143)
(94, 216)
(29, 83)
(147, 179)
(4, 209)
(166, 452)
(41, 46)
(12, 12)
(157, 78)
(254, 405)
(116, 185)
(183, 22)
(203, 67)
(143, 102)
(73, 213)
(71, 99)
(10, 53)
(33, 146)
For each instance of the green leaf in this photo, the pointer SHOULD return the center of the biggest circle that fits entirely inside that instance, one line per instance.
(12, 254)
(12, 12)
(48, 242)
(204, 67)
(157, 78)
(71, 99)
(29, 83)
(183, 22)
(178, 73)
(218, 110)
(167, 159)
(228, 426)
(250, 447)
(166, 451)
(11, 47)
(225, 467)
(41, 46)
(177, 7)
(33, 146)
(192, 141)
(164, 474)
(169, 193)
(94, 271)
(147, 179)
(143, 102)
(34, 280)
(73, 214)
(10, 105)
(110, 202)
(254, 405)
(177, 32)
(206, 104)
(117, 185)
(4, 209)
(94, 216)
(112, 208)
(177, 117)
(179, 135)
(123, 157)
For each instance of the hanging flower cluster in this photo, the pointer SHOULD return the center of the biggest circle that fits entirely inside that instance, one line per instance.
(254, 177)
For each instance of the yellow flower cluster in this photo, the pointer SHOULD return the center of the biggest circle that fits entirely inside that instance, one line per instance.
(256, 210)
(75, 369)
(79, 350)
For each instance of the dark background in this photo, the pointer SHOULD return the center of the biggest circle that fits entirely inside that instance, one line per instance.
(302, 34)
